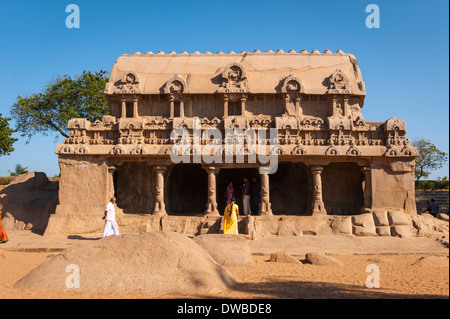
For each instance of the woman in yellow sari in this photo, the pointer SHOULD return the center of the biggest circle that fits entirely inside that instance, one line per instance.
(3, 236)
(230, 218)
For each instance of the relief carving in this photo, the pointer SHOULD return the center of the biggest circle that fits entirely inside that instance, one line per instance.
(234, 79)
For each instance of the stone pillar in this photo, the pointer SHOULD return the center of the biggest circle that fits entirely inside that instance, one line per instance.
(124, 109)
(172, 107)
(298, 109)
(346, 110)
(135, 108)
(265, 206)
(211, 205)
(160, 206)
(318, 207)
(225, 106)
(243, 100)
(367, 188)
(181, 107)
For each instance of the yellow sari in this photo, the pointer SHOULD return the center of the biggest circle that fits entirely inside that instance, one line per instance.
(230, 219)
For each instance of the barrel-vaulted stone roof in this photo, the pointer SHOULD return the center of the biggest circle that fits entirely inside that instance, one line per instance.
(264, 71)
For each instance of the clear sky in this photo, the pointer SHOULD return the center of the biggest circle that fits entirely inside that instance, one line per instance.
(404, 63)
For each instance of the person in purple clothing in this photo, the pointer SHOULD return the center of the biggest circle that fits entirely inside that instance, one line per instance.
(229, 192)
(434, 208)
(246, 197)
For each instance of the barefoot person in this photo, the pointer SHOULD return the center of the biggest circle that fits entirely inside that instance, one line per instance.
(110, 219)
(230, 218)
(3, 236)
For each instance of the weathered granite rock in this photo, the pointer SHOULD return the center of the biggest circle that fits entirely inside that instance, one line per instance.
(364, 225)
(283, 257)
(384, 231)
(443, 217)
(381, 218)
(342, 226)
(397, 218)
(321, 259)
(29, 200)
(226, 250)
(152, 263)
(402, 231)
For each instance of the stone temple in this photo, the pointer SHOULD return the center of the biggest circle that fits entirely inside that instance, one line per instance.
(332, 163)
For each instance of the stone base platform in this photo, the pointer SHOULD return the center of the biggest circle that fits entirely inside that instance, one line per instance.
(377, 223)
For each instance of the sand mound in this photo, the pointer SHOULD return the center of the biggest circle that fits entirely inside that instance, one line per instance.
(432, 261)
(227, 250)
(150, 263)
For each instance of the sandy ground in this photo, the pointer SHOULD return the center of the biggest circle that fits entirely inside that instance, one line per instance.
(395, 257)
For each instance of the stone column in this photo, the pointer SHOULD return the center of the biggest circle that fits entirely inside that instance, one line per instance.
(298, 109)
(225, 106)
(346, 110)
(160, 206)
(243, 100)
(318, 207)
(211, 205)
(172, 107)
(181, 107)
(367, 188)
(265, 206)
(135, 108)
(124, 109)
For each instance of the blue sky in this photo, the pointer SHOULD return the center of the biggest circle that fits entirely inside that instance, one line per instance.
(404, 63)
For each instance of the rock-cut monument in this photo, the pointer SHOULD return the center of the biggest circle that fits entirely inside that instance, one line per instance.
(334, 167)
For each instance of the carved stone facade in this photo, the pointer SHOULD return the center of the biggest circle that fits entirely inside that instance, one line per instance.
(331, 161)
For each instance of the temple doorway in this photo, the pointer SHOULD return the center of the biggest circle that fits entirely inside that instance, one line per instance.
(134, 187)
(186, 190)
(236, 176)
(290, 190)
(342, 189)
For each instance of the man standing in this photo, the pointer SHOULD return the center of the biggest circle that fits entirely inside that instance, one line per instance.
(110, 219)
(246, 196)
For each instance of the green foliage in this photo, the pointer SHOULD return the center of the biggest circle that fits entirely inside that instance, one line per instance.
(6, 140)
(440, 183)
(61, 100)
(18, 170)
(430, 158)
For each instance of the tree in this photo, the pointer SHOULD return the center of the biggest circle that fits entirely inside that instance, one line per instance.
(61, 100)
(6, 140)
(430, 158)
(19, 170)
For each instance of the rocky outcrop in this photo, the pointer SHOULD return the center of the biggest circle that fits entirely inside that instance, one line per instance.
(28, 202)
(284, 257)
(226, 250)
(321, 259)
(152, 263)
